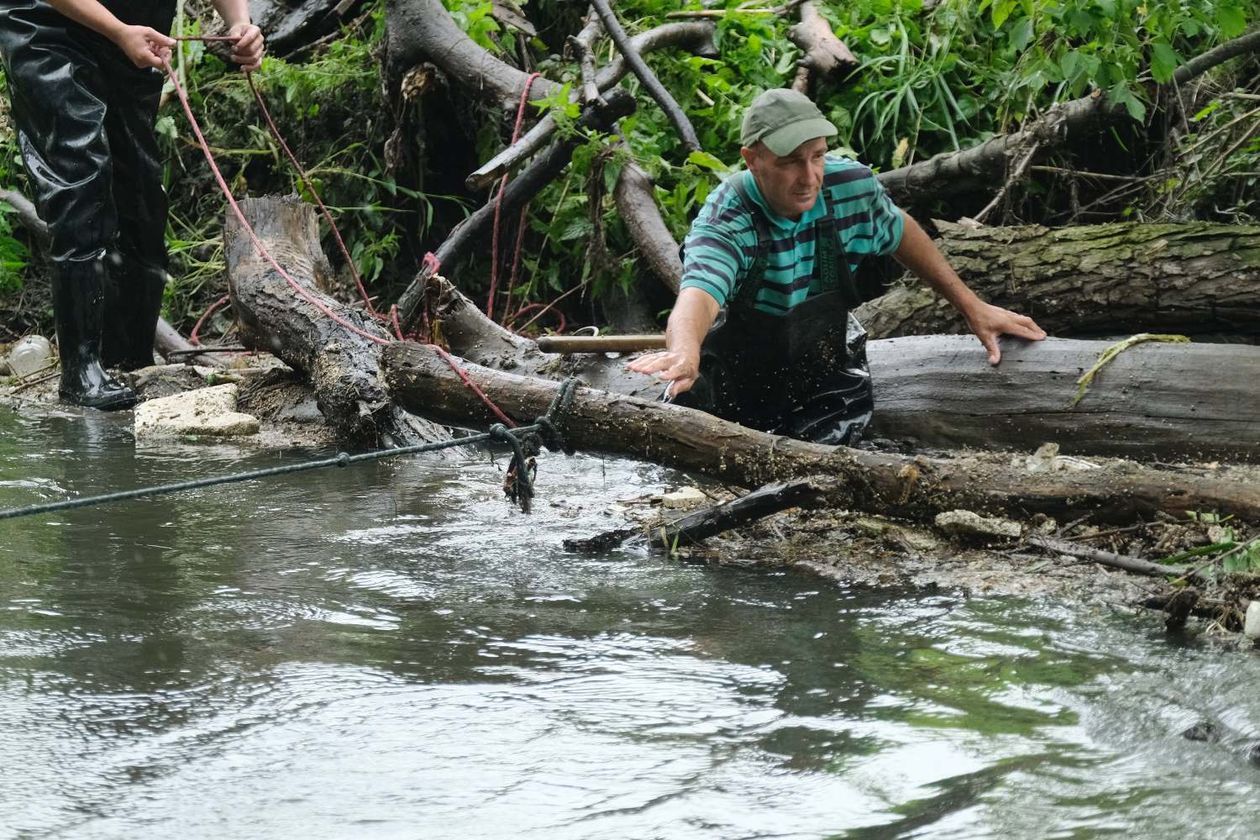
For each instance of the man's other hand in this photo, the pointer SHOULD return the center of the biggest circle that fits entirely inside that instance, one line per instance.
(988, 322)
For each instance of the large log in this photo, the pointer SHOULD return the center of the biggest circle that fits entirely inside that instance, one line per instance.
(915, 487)
(343, 366)
(1092, 280)
(1153, 401)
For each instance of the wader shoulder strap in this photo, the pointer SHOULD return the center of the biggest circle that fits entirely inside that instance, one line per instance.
(746, 293)
(831, 263)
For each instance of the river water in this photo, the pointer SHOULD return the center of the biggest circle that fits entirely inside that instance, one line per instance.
(392, 651)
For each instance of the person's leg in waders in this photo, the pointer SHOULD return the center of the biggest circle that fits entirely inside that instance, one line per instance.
(59, 107)
(137, 260)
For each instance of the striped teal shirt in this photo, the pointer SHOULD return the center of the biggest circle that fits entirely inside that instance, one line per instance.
(722, 243)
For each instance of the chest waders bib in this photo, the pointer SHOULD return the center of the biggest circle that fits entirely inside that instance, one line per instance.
(802, 374)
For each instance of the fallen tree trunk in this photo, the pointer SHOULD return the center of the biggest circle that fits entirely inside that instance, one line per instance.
(1090, 280)
(1154, 400)
(343, 366)
(636, 203)
(914, 487)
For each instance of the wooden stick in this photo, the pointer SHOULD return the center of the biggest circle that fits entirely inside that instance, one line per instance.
(600, 343)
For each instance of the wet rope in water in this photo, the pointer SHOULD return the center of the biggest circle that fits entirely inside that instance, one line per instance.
(519, 487)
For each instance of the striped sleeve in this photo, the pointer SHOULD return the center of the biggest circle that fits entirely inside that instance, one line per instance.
(717, 251)
(886, 220)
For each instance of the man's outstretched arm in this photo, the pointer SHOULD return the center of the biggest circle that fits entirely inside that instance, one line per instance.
(679, 363)
(919, 254)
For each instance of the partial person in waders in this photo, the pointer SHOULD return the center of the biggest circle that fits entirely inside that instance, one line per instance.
(84, 82)
(762, 332)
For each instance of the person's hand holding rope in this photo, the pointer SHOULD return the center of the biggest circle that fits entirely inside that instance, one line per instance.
(143, 45)
(247, 50)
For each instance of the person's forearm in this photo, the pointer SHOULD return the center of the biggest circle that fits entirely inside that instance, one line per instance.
(91, 14)
(233, 12)
(919, 254)
(689, 322)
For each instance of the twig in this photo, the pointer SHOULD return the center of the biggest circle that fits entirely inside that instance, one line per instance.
(1100, 176)
(581, 45)
(30, 382)
(1111, 532)
(26, 212)
(1016, 174)
(645, 75)
(1109, 558)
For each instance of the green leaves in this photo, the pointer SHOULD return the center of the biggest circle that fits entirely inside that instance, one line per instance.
(1164, 60)
(709, 162)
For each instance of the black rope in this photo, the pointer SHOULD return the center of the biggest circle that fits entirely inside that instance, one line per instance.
(518, 438)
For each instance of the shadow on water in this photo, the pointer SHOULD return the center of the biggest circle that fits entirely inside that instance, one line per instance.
(391, 650)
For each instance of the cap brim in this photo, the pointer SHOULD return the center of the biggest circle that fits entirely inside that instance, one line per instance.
(784, 141)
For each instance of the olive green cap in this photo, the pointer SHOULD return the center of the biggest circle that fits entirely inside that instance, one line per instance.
(783, 119)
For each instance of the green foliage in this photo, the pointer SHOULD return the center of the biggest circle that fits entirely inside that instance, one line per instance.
(13, 255)
(1228, 552)
(929, 82)
(330, 110)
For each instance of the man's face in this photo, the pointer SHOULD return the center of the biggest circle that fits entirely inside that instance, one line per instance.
(789, 184)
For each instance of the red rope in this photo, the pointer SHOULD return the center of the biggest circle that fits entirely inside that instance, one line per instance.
(297, 287)
(192, 336)
(498, 207)
(341, 244)
(249, 230)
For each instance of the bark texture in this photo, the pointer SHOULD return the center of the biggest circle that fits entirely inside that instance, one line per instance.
(638, 208)
(1092, 280)
(1153, 401)
(343, 367)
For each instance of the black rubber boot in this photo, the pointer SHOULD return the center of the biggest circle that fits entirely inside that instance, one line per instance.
(78, 289)
(133, 303)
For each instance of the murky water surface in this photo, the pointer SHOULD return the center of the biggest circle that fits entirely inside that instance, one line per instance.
(390, 650)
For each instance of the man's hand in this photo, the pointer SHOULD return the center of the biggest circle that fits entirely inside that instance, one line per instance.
(144, 46)
(988, 322)
(680, 369)
(689, 322)
(247, 50)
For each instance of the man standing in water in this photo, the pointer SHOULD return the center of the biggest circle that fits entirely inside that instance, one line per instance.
(761, 332)
(84, 82)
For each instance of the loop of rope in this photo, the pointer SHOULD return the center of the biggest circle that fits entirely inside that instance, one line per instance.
(517, 482)
(548, 424)
(196, 330)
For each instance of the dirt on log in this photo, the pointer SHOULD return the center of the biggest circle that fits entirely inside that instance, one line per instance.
(1196, 278)
(913, 487)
